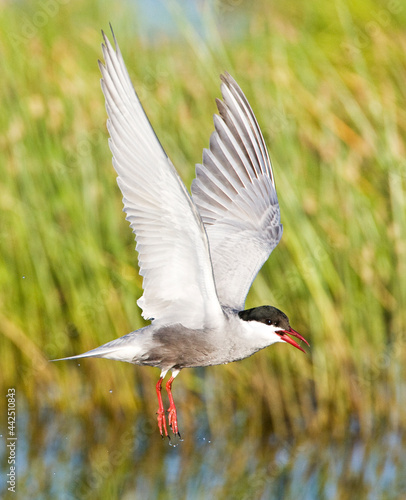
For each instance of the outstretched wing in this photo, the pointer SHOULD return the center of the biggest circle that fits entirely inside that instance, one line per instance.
(172, 245)
(234, 191)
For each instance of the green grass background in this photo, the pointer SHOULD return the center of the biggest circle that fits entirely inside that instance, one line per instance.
(327, 83)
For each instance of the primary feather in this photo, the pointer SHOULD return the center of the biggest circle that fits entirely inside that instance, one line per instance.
(172, 245)
(235, 194)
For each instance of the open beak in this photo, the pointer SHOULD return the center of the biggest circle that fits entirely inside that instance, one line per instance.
(284, 336)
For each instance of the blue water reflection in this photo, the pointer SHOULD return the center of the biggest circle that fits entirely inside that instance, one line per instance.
(67, 456)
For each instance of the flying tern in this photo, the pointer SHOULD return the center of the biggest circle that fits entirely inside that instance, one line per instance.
(198, 254)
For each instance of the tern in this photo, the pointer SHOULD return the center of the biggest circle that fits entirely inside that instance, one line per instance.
(198, 254)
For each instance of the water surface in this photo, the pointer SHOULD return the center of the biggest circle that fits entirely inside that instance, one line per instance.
(74, 457)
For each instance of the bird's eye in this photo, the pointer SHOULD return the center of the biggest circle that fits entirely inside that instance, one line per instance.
(273, 323)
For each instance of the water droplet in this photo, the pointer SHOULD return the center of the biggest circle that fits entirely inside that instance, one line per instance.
(23, 277)
(110, 391)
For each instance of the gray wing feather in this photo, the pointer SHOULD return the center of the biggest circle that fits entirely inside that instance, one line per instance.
(234, 191)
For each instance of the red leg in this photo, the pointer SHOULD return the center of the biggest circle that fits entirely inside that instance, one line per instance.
(172, 417)
(161, 411)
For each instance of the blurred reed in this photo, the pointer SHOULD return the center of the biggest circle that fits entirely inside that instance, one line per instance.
(327, 86)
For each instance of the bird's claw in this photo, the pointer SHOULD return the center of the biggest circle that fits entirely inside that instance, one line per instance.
(173, 423)
(162, 423)
(173, 420)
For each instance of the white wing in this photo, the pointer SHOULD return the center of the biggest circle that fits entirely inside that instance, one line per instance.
(174, 257)
(234, 191)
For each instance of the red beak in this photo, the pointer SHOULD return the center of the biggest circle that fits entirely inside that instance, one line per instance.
(290, 341)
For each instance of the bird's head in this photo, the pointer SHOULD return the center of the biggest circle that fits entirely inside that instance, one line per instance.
(272, 323)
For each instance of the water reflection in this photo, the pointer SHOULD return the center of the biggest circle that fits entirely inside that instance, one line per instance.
(69, 457)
